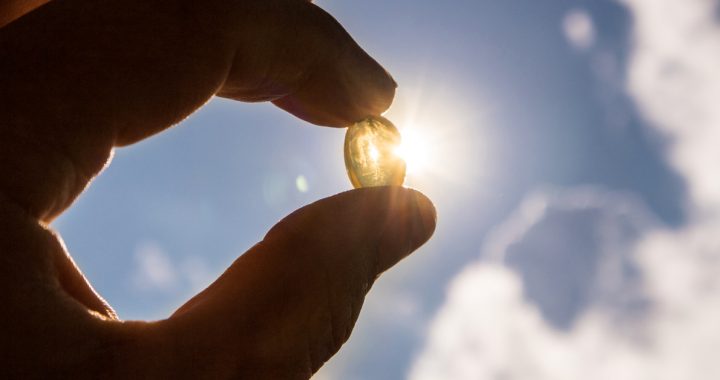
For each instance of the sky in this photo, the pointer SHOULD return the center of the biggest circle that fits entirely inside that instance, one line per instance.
(570, 148)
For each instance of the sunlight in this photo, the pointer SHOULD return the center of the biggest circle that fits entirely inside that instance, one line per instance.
(415, 150)
(440, 141)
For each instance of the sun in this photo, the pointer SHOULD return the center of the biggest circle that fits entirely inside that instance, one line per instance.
(441, 139)
(415, 149)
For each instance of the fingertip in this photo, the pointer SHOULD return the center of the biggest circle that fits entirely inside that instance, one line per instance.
(381, 224)
(341, 96)
(410, 224)
(299, 57)
(427, 218)
(346, 85)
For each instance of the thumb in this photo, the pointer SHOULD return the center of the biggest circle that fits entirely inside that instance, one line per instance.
(288, 304)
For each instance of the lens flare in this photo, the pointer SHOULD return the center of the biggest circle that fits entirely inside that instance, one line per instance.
(443, 142)
(415, 150)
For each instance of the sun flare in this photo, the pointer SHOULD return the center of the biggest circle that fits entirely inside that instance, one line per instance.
(440, 144)
(415, 150)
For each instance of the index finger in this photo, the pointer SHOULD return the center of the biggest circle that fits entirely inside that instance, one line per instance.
(79, 77)
(303, 60)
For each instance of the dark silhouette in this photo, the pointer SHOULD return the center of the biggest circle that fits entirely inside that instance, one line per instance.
(78, 78)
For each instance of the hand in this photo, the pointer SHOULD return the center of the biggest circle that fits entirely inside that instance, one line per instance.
(78, 78)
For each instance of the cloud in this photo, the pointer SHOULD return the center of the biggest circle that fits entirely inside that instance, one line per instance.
(594, 292)
(675, 81)
(579, 29)
(573, 251)
(559, 290)
(156, 270)
(642, 302)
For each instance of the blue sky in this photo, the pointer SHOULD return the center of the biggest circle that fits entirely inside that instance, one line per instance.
(571, 156)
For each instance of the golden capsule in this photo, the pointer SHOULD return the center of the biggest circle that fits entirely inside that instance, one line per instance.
(371, 153)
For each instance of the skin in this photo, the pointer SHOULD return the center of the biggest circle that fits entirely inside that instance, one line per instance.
(78, 78)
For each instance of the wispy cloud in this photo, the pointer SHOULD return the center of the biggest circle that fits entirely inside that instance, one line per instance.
(156, 270)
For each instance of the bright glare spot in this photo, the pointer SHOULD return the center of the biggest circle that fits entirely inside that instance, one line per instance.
(415, 150)
(301, 184)
(374, 154)
(440, 138)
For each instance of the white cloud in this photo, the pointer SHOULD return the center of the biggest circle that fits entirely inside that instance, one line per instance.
(494, 326)
(154, 269)
(571, 249)
(674, 78)
(579, 29)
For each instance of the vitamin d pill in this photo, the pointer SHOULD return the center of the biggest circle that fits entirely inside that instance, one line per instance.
(371, 157)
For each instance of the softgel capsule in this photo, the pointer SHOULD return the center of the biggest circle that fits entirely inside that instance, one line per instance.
(371, 157)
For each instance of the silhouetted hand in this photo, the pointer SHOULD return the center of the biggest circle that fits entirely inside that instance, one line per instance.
(78, 78)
